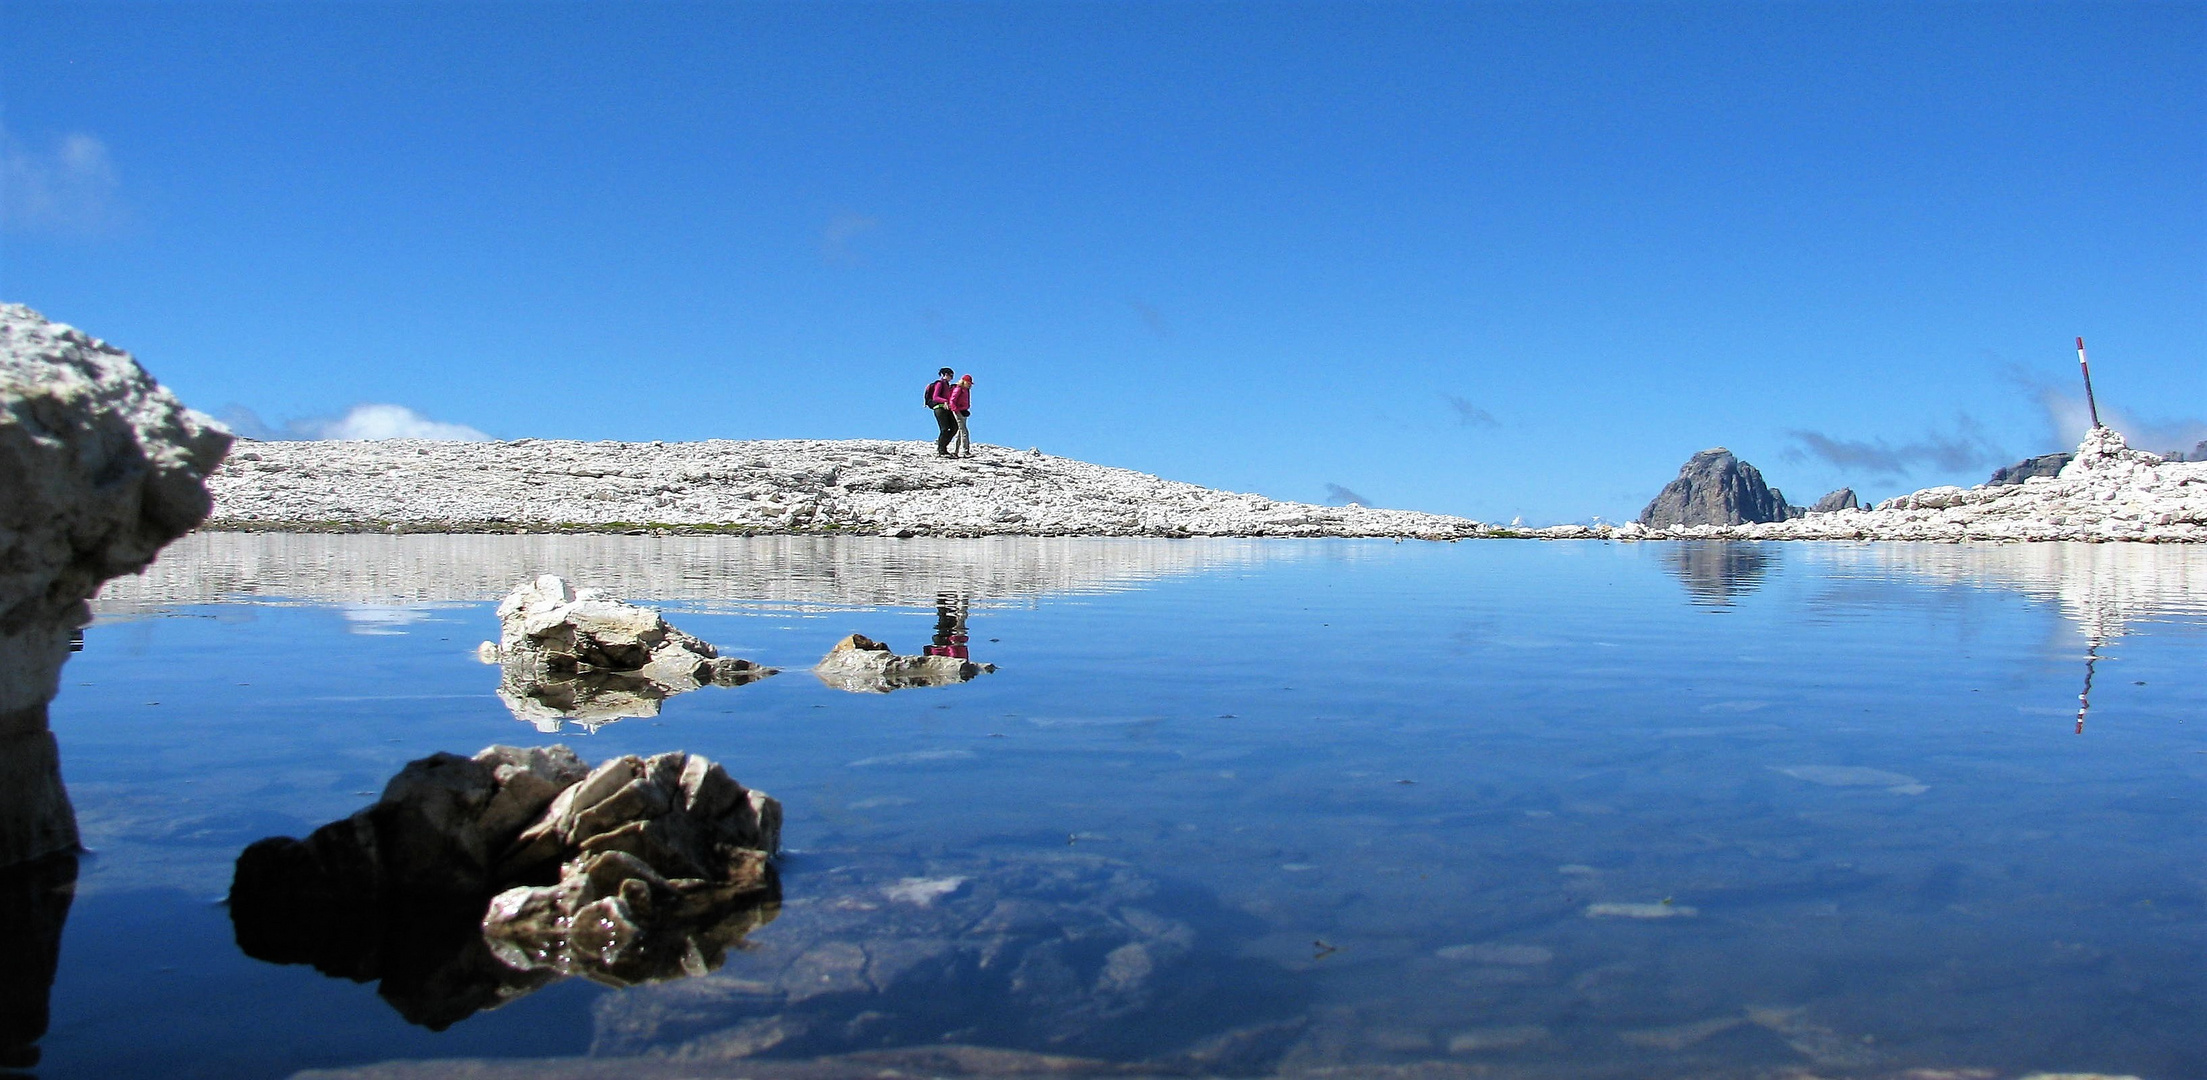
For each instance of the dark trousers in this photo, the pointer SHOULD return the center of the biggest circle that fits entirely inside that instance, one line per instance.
(946, 424)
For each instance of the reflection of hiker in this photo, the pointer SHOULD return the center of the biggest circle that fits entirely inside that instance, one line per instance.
(961, 405)
(950, 627)
(946, 422)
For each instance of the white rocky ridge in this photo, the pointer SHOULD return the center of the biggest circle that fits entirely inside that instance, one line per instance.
(2108, 492)
(767, 486)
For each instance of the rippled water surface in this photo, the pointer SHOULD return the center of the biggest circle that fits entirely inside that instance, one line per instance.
(1569, 809)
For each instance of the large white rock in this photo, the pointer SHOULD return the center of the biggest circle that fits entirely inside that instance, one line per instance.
(99, 467)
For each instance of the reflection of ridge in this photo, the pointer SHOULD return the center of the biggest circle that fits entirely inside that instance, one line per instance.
(1715, 571)
(700, 572)
(2102, 589)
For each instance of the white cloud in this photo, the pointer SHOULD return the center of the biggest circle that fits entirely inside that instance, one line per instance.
(392, 422)
(70, 188)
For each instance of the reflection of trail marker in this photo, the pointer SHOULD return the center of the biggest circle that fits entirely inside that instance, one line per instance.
(2088, 402)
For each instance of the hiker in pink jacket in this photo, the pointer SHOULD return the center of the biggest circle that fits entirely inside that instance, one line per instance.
(961, 405)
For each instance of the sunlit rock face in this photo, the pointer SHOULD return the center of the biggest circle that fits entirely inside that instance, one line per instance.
(861, 665)
(1715, 488)
(473, 881)
(99, 467)
(591, 659)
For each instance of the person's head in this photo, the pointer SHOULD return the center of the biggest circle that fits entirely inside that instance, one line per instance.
(945, 373)
(965, 380)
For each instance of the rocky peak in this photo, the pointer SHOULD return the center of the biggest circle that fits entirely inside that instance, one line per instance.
(1715, 488)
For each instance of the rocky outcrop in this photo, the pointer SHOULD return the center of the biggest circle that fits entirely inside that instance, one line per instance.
(2042, 465)
(99, 467)
(1843, 499)
(591, 659)
(475, 880)
(1715, 488)
(861, 665)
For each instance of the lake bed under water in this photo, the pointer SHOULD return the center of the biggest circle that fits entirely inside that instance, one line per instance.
(1233, 807)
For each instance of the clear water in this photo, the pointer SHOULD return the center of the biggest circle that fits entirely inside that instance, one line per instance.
(1569, 809)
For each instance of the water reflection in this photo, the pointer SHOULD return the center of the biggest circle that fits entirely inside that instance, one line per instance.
(701, 572)
(34, 905)
(1716, 571)
(950, 626)
(2105, 591)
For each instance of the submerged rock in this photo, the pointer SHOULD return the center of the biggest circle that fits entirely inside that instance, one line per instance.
(861, 665)
(1715, 488)
(437, 890)
(585, 657)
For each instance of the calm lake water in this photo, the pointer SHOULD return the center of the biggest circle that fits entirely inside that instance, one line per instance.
(1559, 809)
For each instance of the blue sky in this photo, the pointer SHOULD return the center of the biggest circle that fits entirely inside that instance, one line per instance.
(1490, 259)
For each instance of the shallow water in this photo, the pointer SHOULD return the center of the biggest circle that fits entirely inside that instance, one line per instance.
(1570, 809)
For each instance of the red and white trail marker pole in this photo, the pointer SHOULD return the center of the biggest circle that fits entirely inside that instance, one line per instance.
(2088, 402)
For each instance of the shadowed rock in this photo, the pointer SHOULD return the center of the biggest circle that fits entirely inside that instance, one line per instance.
(591, 659)
(1715, 488)
(861, 665)
(658, 865)
(1843, 499)
(99, 467)
(34, 904)
(2042, 465)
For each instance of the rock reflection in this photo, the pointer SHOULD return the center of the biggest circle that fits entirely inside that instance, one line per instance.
(587, 659)
(34, 904)
(1716, 571)
(475, 881)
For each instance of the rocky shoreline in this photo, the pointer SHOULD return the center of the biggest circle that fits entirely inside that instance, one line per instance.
(810, 487)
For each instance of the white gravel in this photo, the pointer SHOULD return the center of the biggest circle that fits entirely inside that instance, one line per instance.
(2109, 492)
(762, 486)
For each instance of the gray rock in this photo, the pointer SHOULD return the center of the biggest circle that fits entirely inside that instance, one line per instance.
(1715, 488)
(1843, 499)
(2042, 465)
(660, 864)
(99, 467)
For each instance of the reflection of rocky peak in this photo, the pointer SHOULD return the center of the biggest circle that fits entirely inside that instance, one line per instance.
(1715, 571)
(658, 865)
(1715, 488)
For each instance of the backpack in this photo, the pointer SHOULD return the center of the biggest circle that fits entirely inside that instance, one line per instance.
(927, 396)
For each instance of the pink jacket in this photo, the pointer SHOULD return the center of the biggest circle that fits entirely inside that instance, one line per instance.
(961, 398)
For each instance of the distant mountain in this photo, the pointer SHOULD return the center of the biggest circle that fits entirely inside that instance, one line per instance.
(1715, 488)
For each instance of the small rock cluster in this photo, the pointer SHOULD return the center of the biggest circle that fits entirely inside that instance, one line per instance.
(861, 665)
(590, 658)
(474, 880)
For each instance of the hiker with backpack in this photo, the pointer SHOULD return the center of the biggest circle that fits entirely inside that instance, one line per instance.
(961, 406)
(946, 421)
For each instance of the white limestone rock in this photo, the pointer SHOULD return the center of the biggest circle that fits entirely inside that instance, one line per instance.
(99, 467)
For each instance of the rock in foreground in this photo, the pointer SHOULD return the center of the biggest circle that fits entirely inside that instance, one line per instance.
(439, 890)
(583, 656)
(99, 467)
